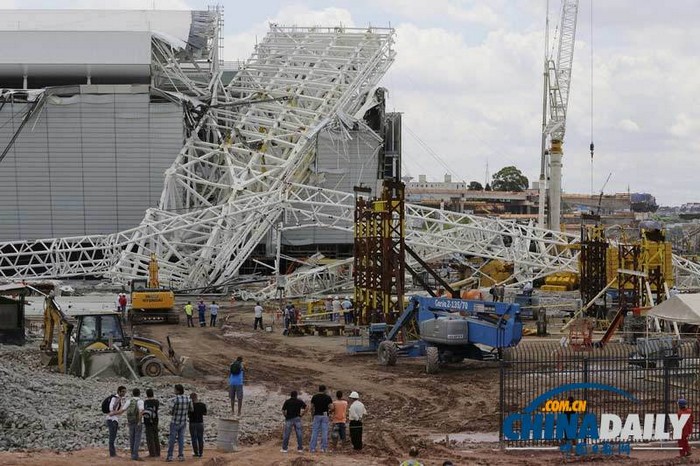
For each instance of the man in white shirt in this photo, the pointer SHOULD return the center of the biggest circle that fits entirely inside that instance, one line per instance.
(213, 312)
(117, 406)
(347, 310)
(356, 413)
(336, 308)
(134, 415)
(258, 317)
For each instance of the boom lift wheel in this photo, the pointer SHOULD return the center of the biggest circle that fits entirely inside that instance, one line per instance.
(432, 360)
(387, 353)
(151, 367)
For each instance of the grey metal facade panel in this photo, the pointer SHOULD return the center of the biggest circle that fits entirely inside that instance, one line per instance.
(90, 164)
(340, 165)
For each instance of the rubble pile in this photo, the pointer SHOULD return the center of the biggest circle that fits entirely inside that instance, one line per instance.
(41, 409)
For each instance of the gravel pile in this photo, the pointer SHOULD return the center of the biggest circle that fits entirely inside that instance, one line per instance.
(41, 409)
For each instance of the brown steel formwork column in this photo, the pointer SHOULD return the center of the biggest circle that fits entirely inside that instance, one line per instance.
(380, 255)
(593, 264)
(393, 247)
(628, 258)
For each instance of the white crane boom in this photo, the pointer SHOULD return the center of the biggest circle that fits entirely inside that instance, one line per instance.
(557, 84)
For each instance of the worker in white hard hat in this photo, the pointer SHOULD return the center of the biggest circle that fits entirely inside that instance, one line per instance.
(336, 309)
(347, 310)
(356, 413)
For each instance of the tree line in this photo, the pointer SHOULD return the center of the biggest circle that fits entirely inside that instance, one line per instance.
(506, 179)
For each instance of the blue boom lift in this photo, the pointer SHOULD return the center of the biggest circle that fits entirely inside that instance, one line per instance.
(449, 330)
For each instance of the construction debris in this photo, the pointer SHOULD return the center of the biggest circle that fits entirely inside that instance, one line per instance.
(48, 410)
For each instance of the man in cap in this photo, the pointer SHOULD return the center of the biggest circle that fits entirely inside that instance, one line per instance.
(347, 310)
(687, 427)
(356, 413)
(336, 309)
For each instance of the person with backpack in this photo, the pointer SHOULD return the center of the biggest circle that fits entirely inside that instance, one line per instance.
(199, 410)
(150, 422)
(113, 406)
(235, 382)
(180, 407)
(134, 413)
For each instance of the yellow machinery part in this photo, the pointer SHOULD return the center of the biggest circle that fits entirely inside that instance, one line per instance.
(495, 271)
(146, 300)
(562, 281)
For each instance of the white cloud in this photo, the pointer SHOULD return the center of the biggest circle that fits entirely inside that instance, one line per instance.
(685, 125)
(441, 9)
(628, 126)
(240, 46)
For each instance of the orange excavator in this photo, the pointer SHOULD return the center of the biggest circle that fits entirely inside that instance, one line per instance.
(149, 302)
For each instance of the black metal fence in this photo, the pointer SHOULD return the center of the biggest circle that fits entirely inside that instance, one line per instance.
(656, 373)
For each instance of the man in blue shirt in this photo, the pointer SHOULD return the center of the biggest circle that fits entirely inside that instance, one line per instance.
(202, 309)
(235, 382)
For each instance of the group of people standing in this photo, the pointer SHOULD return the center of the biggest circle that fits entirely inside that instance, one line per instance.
(326, 415)
(144, 415)
(335, 308)
(202, 310)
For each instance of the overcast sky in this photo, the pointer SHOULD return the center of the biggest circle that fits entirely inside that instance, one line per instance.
(468, 79)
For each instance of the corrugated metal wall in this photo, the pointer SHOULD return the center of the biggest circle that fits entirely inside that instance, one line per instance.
(90, 164)
(340, 164)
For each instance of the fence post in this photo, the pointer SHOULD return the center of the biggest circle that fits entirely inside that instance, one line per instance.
(501, 402)
(585, 377)
(667, 386)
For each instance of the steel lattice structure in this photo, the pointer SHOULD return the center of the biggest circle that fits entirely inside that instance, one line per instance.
(243, 173)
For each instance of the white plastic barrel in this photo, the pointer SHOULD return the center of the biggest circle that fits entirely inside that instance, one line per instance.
(227, 438)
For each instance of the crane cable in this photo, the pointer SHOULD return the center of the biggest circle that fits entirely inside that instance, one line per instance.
(592, 146)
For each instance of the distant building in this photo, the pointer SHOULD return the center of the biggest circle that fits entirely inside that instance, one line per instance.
(523, 206)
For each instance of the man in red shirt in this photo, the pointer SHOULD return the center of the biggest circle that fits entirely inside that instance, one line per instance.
(687, 428)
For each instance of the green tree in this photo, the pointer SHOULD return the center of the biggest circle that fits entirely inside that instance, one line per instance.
(475, 186)
(509, 179)
(488, 187)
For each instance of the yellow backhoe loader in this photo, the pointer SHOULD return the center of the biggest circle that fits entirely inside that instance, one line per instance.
(90, 344)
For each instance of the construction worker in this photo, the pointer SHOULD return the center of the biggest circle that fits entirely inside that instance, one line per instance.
(347, 310)
(258, 310)
(188, 312)
(356, 413)
(527, 288)
(412, 461)
(336, 307)
(687, 428)
(201, 310)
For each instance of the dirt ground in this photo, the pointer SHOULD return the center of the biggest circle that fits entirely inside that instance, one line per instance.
(406, 406)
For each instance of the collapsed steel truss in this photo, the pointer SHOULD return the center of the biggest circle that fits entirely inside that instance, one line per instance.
(243, 172)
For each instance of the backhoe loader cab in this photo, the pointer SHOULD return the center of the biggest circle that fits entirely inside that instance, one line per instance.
(87, 344)
(99, 328)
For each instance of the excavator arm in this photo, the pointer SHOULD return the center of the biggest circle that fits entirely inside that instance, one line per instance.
(56, 321)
